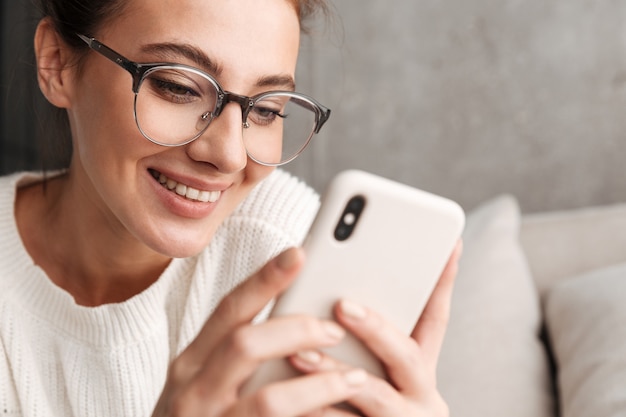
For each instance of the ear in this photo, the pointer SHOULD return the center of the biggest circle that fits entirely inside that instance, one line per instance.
(53, 71)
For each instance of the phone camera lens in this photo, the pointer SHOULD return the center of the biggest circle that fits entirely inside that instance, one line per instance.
(342, 232)
(349, 218)
(356, 204)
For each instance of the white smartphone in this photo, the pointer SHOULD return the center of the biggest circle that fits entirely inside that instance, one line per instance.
(377, 242)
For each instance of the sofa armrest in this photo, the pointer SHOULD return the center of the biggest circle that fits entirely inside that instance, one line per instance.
(562, 244)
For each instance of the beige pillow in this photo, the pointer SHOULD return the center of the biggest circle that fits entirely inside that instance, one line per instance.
(493, 362)
(586, 319)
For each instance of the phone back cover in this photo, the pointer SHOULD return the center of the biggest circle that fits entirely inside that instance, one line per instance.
(390, 263)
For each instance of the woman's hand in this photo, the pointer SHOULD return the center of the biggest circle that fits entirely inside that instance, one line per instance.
(206, 378)
(410, 362)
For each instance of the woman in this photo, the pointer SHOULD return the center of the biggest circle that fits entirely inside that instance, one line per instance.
(111, 268)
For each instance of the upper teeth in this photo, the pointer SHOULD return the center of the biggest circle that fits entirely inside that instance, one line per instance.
(187, 191)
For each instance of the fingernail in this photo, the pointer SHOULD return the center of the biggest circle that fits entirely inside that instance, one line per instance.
(352, 310)
(287, 259)
(355, 377)
(310, 356)
(335, 331)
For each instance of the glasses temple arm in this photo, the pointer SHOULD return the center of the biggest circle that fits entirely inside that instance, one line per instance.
(110, 54)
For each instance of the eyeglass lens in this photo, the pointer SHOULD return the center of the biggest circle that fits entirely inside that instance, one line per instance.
(175, 105)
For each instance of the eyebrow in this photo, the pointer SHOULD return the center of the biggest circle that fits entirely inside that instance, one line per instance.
(170, 51)
(284, 81)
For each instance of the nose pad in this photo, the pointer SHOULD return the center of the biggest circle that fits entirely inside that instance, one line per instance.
(204, 121)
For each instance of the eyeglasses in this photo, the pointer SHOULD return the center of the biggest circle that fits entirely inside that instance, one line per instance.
(175, 104)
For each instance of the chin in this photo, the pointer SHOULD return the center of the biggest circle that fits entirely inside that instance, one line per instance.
(179, 250)
(178, 244)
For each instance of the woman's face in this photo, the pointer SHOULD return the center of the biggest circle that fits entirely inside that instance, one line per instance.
(249, 46)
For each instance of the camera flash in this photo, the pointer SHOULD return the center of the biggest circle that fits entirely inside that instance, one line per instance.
(349, 219)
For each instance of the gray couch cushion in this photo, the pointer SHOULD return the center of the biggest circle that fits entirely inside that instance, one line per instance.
(586, 319)
(493, 363)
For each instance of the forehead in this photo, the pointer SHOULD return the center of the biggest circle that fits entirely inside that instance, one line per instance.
(263, 34)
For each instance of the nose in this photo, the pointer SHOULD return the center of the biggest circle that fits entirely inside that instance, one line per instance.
(221, 145)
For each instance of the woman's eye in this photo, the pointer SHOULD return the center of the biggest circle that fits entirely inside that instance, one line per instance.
(173, 91)
(265, 115)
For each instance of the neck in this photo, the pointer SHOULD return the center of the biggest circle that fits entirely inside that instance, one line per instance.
(81, 250)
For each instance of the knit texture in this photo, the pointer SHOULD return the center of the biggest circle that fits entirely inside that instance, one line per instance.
(61, 359)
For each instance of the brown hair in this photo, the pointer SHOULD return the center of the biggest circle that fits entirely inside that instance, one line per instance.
(307, 9)
(86, 16)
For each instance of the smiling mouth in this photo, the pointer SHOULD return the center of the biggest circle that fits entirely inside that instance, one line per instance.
(184, 190)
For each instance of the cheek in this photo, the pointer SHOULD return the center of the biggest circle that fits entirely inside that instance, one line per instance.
(254, 173)
(104, 98)
(103, 120)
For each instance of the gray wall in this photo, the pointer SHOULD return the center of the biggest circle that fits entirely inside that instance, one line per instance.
(465, 98)
(471, 98)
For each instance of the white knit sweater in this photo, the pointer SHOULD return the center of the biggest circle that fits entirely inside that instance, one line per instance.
(61, 359)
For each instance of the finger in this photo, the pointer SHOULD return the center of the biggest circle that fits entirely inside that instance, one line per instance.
(376, 398)
(242, 305)
(329, 412)
(309, 361)
(303, 395)
(399, 354)
(234, 360)
(430, 329)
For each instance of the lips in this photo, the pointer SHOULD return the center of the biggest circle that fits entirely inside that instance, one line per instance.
(185, 190)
